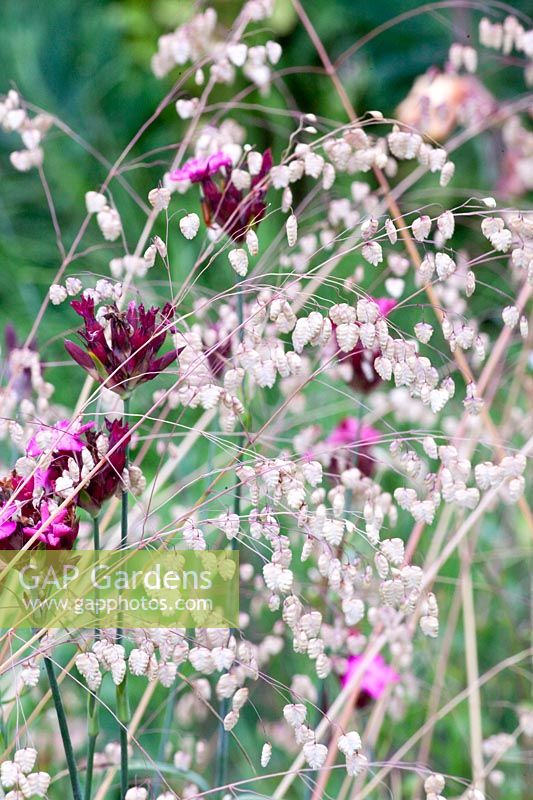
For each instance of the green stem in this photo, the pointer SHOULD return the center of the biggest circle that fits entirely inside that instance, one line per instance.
(165, 733)
(222, 755)
(90, 763)
(93, 722)
(63, 728)
(123, 712)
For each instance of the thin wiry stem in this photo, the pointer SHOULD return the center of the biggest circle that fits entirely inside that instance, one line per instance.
(63, 728)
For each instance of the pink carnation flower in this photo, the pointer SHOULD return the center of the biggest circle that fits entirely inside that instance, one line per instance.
(376, 677)
(69, 440)
(234, 210)
(60, 534)
(350, 445)
(198, 169)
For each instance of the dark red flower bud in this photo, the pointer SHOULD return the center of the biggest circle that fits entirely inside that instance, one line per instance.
(121, 351)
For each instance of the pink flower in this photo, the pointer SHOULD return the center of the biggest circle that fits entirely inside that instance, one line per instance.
(69, 440)
(7, 524)
(376, 677)
(107, 479)
(60, 534)
(20, 519)
(350, 445)
(198, 169)
(234, 210)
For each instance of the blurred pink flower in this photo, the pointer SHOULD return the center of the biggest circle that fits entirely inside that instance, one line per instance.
(350, 445)
(198, 169)
(70, 439)
(376, 677)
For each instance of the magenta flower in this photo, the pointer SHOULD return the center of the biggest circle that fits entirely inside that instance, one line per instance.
(234, 210)
(350, 445)
(67, 448)
(122, 352)
(60, 534)
(364, 376)
(376, 678)
(69, 440)
(22, 518)
(7, 524)
(199, 169)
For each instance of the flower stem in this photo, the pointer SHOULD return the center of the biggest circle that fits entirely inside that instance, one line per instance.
(123, 711)
(222, 755)
(63, 728)
(93, 721)
(165, 734)
(91, 747)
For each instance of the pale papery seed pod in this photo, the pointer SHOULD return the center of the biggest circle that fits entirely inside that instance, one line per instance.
(446, 224)
(240, 698)
(382, 565)
(323, 666)
(38, 784)
(109, 222)
(160, 246)
(294, 714)
(252, 242)
(369, 228)
(57, 294)
(29, 675)
(136, 793)
(447, 173)
(190, 225)
(291, 228)
(349, 743)
(95, 202)
(421, 228)
(510, 316)
(434, 784)
(239, 261)
(266, 754)
(470, 283)
(159, 198)
(315, 754)
(347, 335)
(286, 200)
(328, 176)
(392, 233)
(25, 758)
(372, 252)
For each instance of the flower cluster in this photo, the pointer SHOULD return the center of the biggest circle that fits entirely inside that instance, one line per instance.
(236, 202)
(26, 507)
(121, 346)
(14, 117)
(57, 458)
(202, 36)
(18, 778)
